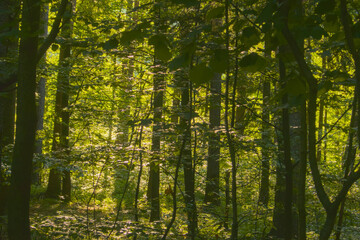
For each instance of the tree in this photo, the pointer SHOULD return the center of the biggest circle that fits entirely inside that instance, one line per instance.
(21, 169)
(158, 98)
(8, 53)
(61, 123)
(41, 91)
(265, 135)
(331, 207)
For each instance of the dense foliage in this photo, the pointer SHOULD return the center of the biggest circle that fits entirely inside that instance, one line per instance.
(180, 119)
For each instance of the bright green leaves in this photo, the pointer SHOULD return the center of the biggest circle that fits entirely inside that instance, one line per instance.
(220, 60)
(200, 74)
(161, 46)
(250, 36)
(253, 62)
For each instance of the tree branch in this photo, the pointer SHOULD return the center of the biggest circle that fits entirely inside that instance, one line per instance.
(44, 47)
(54, 31)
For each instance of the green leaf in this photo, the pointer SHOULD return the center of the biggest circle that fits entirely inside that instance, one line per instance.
(238, 25)
(220, 60)
(267, 13)
(317, 32)
(337, 76)
(295, 86)
(250, 36)
(54, 47)
(160, 44)
(128, 36)
(162, 52)
(200, 74)
(187, 3)
(145, 122)
(217, 12)
(110, 44)
(180, 61)
(331, 23)
(324, 87)
(252, 62)
(325, 6)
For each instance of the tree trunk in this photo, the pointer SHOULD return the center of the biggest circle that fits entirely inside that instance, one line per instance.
(41, 91)
(185, 125)
(265, 136)
(301, 185)
(21, 169)
(158, 93)
(213, 166)
(282, 218)
(61, 123)
(154, 174)
(8, 49)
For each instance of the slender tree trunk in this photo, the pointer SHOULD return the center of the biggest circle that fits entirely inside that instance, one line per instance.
(301, 185)
(287, 157)
(62, 117)
(158, 93)
(185, 125)
(21, 169)
(227, 199)
(282, 218)
(154, 174)
(8, 49)
(136, 200)
(213, 166)
(265, 136)
(41, 91)
(320, 130)
(349, 158)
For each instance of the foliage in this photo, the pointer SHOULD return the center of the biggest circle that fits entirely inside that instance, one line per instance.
(120, 48)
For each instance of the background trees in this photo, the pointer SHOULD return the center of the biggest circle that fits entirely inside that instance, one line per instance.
(153, 108)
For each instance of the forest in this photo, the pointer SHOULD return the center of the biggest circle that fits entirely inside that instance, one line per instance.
(179, 119)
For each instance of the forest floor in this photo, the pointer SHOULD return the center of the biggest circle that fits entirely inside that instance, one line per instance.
(53, 219)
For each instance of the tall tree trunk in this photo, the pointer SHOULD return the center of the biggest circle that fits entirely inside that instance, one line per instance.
(349, 159)
(185, 125)
(158, 93)
(8, 49)
(265, 135)
(301, 184)
(154, 174)
(61, 123)
(21, 169)
(41, 91)
(282, 218)
(213, 166)
(321, 125)
(299, 147)
(331, 207)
